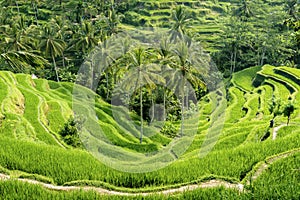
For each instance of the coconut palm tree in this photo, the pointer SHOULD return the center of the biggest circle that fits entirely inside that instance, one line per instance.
(141, 74)
(52, 45)
(186, 72)
(84, 39)
(22, 61)
(244, 11)
(111, 22)
(17, 43)
(8, 3)
(291, 8)
(165, 57)
(17, 37)
(180, 20)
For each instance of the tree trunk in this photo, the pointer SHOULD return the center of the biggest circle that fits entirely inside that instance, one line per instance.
(107, 90)
(182, 107)
(164, 109)
(63, 60)
(234, 60)
(153, 109)
(141, 113)
(231, 64)
(55, 68)
(288, 121)
(187, 97)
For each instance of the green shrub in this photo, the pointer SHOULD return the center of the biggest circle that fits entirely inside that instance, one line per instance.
(70, 132)
(169, 129)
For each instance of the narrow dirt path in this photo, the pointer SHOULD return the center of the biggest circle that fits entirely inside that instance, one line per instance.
(275, 130)
(268, 162)
(208, 184)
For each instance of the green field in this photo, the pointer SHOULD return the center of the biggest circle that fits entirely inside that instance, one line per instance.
(31, 148)
(146, 99)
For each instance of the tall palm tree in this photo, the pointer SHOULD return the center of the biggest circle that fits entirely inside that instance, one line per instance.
(140, 75)
(165, 58)
(52, 45)
(35, 9)
(186, 73)
(64, 32)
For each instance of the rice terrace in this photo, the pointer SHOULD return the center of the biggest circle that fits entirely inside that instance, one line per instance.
(143, 99)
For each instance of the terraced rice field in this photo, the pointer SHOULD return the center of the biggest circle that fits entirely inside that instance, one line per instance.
(228, 141)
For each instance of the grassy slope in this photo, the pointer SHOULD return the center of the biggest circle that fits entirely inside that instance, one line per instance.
(237, 150)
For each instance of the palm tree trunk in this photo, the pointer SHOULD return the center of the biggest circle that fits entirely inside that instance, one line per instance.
(55, 68)
(141, 113)
(234, 60)
(63, 60)
(182, 107)
(164, 109)
(107, 93)
(153, 109)
(187, 97)
(231, 64)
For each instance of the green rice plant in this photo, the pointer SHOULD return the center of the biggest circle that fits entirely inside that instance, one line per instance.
(235, 112)
(243, 79)
(54, 116)
(269, 71)
(251, 106)
(279, 90)
(241, 160)
(287, 130)
(32, 113)
(4, 88)
(281, 180)
(13, 189)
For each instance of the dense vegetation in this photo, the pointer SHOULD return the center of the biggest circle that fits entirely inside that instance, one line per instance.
(161, 110)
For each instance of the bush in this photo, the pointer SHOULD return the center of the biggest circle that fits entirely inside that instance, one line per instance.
(169, 129)
(70, 132)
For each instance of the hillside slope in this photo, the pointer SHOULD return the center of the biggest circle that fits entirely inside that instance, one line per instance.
(33, 111)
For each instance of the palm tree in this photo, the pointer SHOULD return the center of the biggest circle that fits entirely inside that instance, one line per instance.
(22, 61)
(244, 11)
(186, 73)
(180, 20)
(17, 36)
(17, 42)
(8, 3)
(141, 74)
(291, 9)
(104, 58)
(165, 57)
(111, 22)
(84, 39)
(64, 32)
(52, 45)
